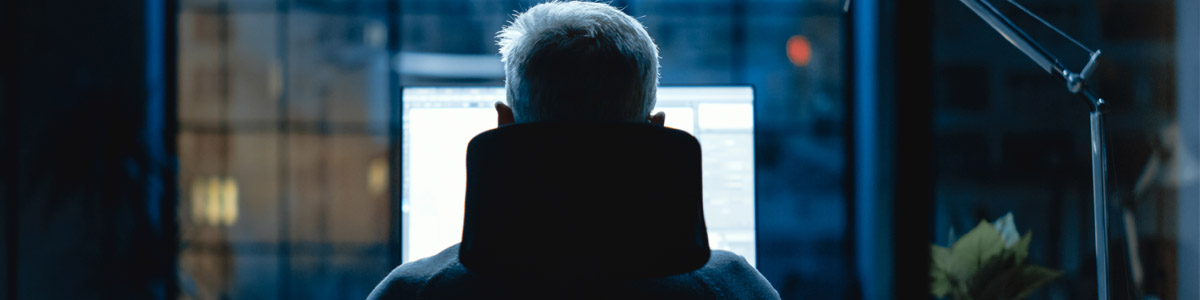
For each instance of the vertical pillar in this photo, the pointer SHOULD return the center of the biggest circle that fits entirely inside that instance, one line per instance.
(893, 140)
(1187, 41)
(872, 234)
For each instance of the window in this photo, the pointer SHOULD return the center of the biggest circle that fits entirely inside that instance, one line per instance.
(287, 134)
(1010, 138)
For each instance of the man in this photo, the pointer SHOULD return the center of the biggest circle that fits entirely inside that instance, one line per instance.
(576, 61)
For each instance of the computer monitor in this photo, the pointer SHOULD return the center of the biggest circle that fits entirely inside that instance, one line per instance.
(438, 122)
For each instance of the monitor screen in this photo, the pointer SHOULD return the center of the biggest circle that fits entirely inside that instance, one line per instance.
(438, 122)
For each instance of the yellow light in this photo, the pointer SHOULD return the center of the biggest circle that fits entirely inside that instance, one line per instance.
(213, 211)
(377, 176)
(229, 205)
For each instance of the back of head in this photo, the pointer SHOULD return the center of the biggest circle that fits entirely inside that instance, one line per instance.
(580, 61)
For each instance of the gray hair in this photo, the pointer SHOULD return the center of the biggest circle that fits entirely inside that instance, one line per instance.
(578, 61)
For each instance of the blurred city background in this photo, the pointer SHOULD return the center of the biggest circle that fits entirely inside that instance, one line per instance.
(282, 115)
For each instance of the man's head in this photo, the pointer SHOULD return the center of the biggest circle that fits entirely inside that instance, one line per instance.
(581, 61)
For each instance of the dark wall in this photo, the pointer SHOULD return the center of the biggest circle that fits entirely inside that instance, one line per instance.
(88, 181)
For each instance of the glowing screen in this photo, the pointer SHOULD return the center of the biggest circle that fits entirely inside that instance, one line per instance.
(438, 122)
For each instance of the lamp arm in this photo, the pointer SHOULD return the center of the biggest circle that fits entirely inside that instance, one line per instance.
(1077, 85)
(1015, 35)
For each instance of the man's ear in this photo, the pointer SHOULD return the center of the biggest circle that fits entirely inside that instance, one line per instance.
(504, 114)
(658, 119)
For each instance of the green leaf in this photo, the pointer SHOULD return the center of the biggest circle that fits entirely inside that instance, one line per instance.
(973, 250)
(939, 284)
(1021, 248)
(941, 257)
(988, 272)
(1018, 282)
(1034, 277)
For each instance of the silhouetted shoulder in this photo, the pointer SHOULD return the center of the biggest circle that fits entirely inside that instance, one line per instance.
(408, 280)
(442, 276)
(725, 276)
(734, 278)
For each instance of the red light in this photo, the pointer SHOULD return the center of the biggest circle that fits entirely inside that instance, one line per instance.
(799, 50)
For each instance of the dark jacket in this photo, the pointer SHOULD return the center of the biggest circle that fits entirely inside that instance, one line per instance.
(725, 276)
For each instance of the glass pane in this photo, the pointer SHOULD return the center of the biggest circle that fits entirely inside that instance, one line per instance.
(283, 150)
(1010, 138)
(337, 67)
(285, 107)
(200, 81)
